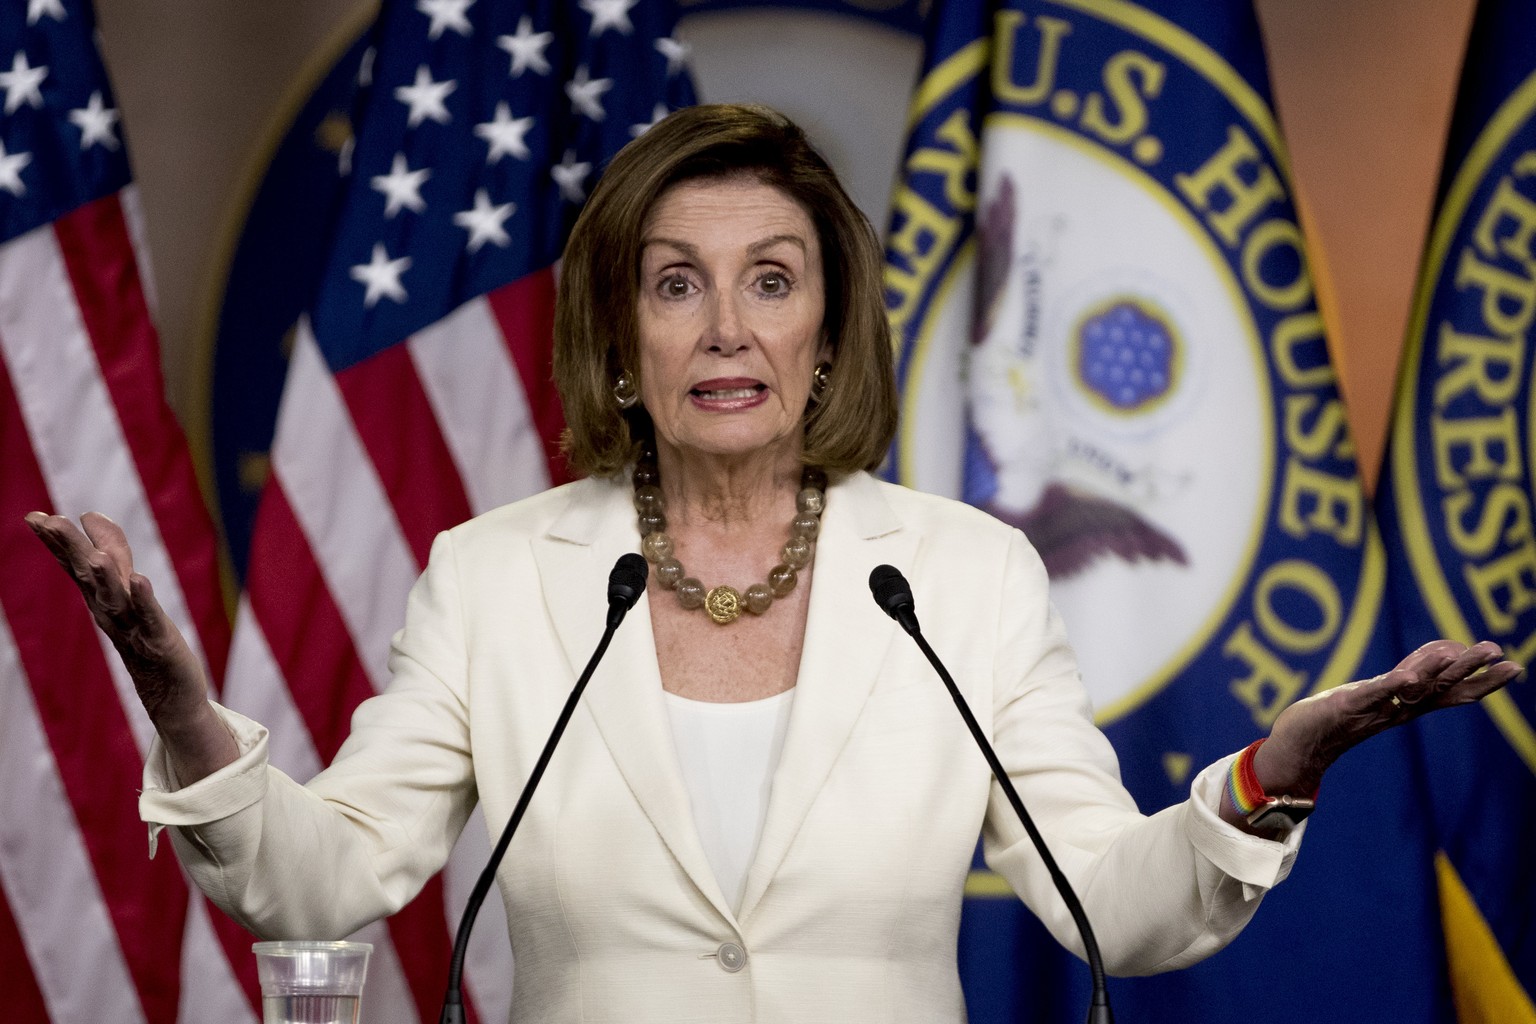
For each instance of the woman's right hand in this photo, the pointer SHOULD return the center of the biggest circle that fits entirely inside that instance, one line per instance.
(167, 674)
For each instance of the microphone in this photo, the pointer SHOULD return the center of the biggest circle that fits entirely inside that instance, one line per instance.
(893, 594)
(626, 582)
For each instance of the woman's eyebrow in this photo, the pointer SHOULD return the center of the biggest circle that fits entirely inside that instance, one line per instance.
(756, 249)
(687, 249)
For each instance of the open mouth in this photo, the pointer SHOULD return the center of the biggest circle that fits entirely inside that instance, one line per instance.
(728, 394)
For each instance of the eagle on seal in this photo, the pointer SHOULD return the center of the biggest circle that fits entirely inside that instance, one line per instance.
(1071, 527)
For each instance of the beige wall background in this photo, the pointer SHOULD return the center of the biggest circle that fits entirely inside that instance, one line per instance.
(1364, 90)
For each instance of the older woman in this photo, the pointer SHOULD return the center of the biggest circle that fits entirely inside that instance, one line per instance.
(767, 808)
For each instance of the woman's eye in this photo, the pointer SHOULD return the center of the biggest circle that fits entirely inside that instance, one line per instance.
(773, 284)
(675, 287)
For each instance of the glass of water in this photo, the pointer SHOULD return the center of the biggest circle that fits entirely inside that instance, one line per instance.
(311, 982)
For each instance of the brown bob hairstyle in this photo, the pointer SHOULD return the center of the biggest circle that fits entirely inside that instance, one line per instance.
(596, 325)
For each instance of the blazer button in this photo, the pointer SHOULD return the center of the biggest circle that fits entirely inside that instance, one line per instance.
(731, 957)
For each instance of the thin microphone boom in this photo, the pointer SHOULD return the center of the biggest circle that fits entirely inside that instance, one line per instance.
(894, 595)
(625, 585)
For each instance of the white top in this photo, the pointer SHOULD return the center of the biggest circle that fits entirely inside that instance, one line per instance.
(728, 753)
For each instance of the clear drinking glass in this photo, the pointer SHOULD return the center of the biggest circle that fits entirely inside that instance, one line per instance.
(311, 982)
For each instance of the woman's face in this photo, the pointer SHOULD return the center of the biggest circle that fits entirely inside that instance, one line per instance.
(732, 299)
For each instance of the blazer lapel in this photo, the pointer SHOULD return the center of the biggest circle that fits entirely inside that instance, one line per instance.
(846, 638)
(624, 696)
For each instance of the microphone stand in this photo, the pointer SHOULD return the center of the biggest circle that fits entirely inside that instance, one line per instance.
(894, 595)
(620, 600)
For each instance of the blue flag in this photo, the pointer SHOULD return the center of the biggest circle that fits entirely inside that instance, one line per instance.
(1109, 337)
(1455, 508)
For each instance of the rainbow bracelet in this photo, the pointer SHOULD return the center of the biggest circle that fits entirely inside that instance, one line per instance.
(1243, 783)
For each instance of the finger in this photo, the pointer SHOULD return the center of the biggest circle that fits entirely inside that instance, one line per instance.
(1469, 661)
(37, 522)
(69, 546)
(1433, 656)
(95, 572)
(1493, 650)
(1436, 667)
(1480, 684)
(108, 537)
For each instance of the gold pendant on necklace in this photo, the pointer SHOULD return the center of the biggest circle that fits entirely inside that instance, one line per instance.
(723, 604)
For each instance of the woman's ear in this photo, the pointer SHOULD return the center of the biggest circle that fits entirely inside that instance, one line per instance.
(824, 349)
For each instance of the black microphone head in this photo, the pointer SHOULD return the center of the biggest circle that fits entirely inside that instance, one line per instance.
(627, 580)
(891, 590)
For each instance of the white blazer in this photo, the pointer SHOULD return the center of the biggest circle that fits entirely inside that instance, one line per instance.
(852, 906)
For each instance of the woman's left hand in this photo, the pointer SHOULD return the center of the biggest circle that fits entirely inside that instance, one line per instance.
(1312, 733)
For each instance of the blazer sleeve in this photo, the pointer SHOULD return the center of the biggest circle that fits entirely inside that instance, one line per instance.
(1161, 892)
(360, 840)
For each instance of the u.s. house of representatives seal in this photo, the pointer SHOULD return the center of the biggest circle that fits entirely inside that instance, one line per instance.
(1110, 338)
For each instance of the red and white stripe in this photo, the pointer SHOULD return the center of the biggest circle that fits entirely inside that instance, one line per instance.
(368, 465)
(90, 928)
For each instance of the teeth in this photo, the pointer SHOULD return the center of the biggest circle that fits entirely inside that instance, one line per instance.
(728, 394)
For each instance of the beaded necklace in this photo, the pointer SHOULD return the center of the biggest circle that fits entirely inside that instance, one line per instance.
(724, 604)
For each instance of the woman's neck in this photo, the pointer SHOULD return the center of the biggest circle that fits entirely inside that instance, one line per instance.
(729, 492)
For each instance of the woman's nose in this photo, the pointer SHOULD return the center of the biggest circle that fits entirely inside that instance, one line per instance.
(727, 334)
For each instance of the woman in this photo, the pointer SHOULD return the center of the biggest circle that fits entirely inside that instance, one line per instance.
(766, 809)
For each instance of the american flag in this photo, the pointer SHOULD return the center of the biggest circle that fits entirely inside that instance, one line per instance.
(90, 929)
(418, 395)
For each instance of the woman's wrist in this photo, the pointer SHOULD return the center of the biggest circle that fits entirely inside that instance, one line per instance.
(1283, 772)
(1250, 804)
(197, 742)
